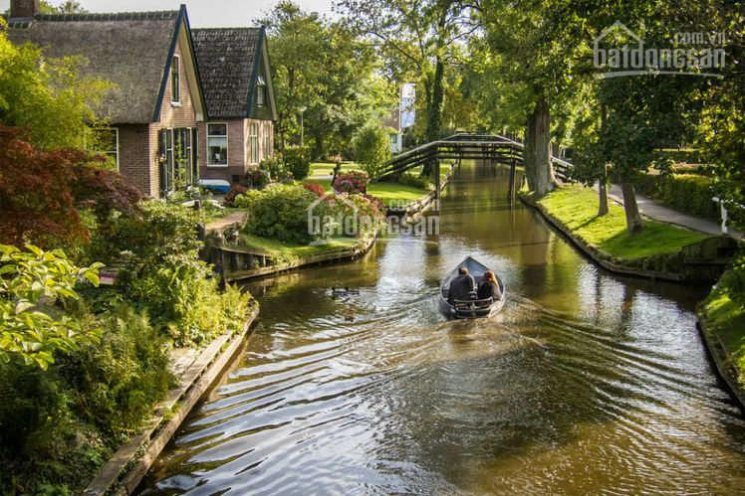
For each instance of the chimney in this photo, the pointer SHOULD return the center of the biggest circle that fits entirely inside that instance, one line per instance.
(23, 8)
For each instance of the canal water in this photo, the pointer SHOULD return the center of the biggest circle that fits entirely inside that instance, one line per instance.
(353, 383)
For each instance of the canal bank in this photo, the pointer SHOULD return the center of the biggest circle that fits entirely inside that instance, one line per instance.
(720, 319)
(587, 383)
(195, 371)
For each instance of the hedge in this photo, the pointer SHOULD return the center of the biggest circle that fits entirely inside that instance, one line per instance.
(687, 193)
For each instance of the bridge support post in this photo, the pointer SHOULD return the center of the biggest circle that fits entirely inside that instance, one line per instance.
(436, 168)
(513, 167)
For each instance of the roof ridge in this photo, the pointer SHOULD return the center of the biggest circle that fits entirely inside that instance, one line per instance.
(252, 28)
(156, 15)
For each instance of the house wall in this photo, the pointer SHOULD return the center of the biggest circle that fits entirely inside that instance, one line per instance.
(172, 115)
(134, 157)
(236, 152)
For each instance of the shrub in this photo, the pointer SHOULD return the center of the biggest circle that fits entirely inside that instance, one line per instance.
(351, 182)
(276, 169)
(235, 190)
(416, 181)
(316, 189)
(34, 287)
(372, 148)
(279, 212)
(42, 192)
(297, 161)
(687, 193)
(257, 178)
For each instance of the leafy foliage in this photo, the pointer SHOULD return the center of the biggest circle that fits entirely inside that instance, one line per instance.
(372, 148)
(235, 190)
(296, 161)
(46, 96)
(351, 182)
(34, 287)
(279, 212)
(42, 192)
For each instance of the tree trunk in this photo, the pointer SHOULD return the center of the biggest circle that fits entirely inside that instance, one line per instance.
(603, 193)
(538, 149)
(434, 112)
(633, 217)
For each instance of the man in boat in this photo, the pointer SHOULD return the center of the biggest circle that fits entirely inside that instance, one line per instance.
(462, 287)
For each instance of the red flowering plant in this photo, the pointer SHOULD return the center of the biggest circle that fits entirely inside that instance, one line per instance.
(316, 189)
(351, 182)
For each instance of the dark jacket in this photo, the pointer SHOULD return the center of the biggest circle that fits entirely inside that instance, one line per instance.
(461, 288)
(488, 289)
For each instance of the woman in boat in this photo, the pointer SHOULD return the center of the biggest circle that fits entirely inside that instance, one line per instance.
(489, 287)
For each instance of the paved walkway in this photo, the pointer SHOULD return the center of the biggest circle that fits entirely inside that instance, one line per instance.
(656, 211)
(228, 220)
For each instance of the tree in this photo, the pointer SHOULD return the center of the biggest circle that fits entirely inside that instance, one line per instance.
(46, 96)
(42, 192)
(326, 73)
(372, 148)
(417, 36)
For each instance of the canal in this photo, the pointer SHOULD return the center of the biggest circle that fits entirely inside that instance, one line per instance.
(353, 383)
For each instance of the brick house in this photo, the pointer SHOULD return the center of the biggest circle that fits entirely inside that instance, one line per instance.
(156, 102)
(239, 133)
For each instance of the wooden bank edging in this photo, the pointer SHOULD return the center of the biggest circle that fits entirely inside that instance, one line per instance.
(124, 471)
(593, 253)
(335, 256)
(719, 356)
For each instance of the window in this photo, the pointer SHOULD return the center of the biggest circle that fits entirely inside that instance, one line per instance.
(267, 139)
(175, 80)
(104, 141)
(253, 142)
(217, 145)
(260, 92)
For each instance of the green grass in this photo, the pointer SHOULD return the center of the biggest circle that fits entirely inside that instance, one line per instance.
(387, 192)
(327, 168)
(576, 207)
(724, 320)
(288, 252)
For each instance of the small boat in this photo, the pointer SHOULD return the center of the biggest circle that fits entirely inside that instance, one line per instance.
(465, 309)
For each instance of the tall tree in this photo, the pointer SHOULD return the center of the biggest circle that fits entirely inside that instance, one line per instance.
(418, 37)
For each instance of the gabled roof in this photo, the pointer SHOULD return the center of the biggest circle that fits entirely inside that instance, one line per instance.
(228, 60)
(133, 50)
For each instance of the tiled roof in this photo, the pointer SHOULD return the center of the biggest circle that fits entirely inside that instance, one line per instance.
(128, 49)
(225, 57)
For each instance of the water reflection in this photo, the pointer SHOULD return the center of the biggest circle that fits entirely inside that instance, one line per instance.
(586, 383)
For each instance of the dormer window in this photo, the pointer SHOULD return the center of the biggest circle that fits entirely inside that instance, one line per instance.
(260, 91)
(175, 80)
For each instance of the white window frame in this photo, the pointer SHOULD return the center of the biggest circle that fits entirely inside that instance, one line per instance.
(260, 90)
(176, 63)
(116, 150)
(227, 143)
(253, 139)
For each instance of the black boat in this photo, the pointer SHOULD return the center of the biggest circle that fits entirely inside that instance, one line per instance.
(465, 309)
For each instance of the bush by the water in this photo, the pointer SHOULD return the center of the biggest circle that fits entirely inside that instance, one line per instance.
(416, 181)
(687, 193)
(76, 375)
(279, 212)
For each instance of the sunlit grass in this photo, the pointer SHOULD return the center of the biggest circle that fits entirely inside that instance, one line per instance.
(290, 252)
(725, 321)
(387, 192)
(576, 207)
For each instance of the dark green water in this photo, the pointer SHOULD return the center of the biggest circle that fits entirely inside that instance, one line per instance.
(587, 383)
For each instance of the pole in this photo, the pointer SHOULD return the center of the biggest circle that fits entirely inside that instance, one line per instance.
(513, 167)
(302, 129)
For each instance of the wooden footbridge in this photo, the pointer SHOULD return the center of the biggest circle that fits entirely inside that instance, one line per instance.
(491, 148)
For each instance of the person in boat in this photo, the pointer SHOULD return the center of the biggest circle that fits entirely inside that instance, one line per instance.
(462, 287)
(489, 287)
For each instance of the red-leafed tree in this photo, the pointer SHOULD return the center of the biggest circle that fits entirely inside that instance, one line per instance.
(43, 191)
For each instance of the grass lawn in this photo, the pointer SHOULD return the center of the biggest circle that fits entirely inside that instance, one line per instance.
(288, 252)
(327, 168)
(387, 192)
(724, 320)
(576, 207)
